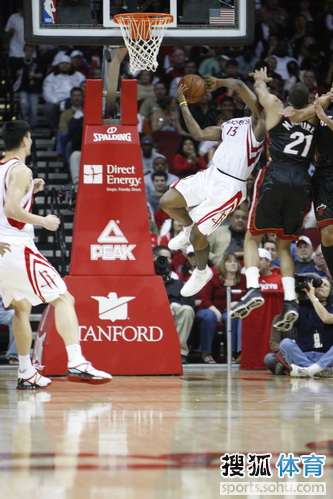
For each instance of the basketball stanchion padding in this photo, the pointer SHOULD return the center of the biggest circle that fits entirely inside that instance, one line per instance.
(143, 34)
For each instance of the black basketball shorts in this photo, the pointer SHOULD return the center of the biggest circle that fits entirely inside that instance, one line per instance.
(281, 198)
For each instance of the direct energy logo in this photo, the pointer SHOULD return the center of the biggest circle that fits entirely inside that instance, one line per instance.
(115, 177)
(93, 174)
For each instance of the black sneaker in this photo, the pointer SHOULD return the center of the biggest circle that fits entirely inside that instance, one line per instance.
(289, 315)
(251, 300)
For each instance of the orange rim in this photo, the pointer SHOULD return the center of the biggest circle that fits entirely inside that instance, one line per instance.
(143, 17)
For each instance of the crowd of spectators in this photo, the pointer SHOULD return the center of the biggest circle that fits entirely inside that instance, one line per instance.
(293, 39)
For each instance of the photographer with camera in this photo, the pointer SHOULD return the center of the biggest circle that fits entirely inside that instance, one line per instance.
(182, 308)
(312, 350)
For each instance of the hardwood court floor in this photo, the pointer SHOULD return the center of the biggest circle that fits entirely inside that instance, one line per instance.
(154, 437)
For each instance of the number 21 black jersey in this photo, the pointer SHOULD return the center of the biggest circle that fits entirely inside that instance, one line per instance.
(292, 143)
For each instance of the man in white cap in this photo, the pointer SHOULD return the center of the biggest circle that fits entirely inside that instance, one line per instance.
(267, 279)
(58, 85)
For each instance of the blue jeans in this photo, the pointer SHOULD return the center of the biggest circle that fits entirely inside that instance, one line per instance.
(236, 333)
(207, 327)
(6, 318)
(294, 355)
(29, 106)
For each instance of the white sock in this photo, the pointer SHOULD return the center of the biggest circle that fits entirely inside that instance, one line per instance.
(74, 354)
(289, 288)
(314, 369)
(25, 363)
(252, 277)
(188, 229)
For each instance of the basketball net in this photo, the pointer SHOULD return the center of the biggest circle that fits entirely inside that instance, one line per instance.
(143, 34)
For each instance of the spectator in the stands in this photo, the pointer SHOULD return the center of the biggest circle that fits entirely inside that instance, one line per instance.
(151, 104)
(79, 63)
(149, 153)
(229, 238)
(267, 279)
(294, 75)
(159, 180)
(182, 309)
(309, 79)
(145, 85)
(209, 66)
(177, 65)
(304, 256)
(246, 61)
(187, 161)
(15, 32)
(166, 117)
(57, 86)
(320, 262)
(75, 111)
(160, 164)
(28, 84)
(282, 58)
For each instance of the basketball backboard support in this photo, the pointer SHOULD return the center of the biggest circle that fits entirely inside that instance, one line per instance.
(83, 22)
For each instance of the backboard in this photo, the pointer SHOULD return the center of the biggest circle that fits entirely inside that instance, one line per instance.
(89, 22)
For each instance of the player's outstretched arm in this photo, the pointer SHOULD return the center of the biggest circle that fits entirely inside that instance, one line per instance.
(209, 133)
(321, 115)
(20, 180)
(245, 93)
(308, 112)
(272, 105)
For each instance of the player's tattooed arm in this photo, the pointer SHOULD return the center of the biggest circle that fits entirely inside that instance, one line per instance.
(272, 105)
(209, 133)
(321, 115)
(308, 112)
(245, 93)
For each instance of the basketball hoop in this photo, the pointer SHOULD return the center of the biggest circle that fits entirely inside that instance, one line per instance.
(143, 34)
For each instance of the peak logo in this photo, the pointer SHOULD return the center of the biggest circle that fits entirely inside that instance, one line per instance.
(112, 307)
(112, 135)
(112, 244)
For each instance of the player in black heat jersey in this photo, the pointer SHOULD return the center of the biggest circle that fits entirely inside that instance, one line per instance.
(323, 181)
(282, 194)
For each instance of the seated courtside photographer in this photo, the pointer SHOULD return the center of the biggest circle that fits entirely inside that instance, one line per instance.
(311, 350)
(182, 308)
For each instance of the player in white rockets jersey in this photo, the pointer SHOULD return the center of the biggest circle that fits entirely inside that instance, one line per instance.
(202, 201)
(26, 277)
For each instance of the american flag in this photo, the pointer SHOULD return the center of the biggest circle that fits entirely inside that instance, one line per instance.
(222, 16)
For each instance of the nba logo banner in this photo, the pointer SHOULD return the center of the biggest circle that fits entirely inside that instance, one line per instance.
(49, 11)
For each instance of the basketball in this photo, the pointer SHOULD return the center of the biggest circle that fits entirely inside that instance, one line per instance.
(195, 88)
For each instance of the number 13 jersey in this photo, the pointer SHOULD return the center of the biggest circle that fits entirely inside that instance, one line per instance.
(292, 143)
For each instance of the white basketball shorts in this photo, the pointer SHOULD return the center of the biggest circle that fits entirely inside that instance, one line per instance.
(26, 274)
(210, 196)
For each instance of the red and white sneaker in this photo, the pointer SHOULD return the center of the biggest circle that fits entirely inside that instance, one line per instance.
(32, 381)
(85, 372)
